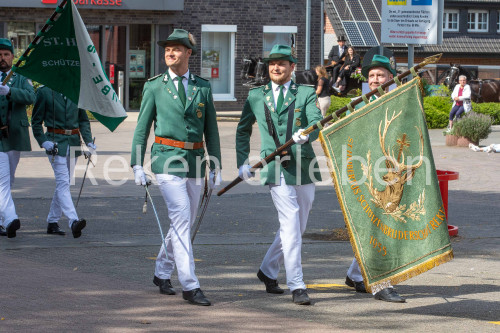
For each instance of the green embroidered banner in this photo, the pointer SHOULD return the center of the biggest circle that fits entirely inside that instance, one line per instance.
(381, 162)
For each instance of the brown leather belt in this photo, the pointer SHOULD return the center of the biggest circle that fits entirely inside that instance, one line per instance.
(63, 131)
(178, 144)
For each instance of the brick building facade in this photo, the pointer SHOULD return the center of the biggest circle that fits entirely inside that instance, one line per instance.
(124, 35)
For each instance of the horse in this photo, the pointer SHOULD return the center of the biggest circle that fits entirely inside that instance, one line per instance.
(482, 91)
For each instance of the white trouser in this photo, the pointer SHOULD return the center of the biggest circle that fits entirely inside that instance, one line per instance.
(62, 203)
(293, 203)
(8, 165)
(354, 273)
(324, 104)
(182, 196)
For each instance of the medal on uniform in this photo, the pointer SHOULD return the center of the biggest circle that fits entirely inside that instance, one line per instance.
(201, 105)
(296, 110)
(199, 114)
(175, 96)
(298, 122)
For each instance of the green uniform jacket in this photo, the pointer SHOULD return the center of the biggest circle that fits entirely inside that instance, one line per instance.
(161, 105)
(56, 111)
(21, 95)
(306, 113)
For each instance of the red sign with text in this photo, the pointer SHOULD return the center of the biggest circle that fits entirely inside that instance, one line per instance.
(49, 2)
(215, 73)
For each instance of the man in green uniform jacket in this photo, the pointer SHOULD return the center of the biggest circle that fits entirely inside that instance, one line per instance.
(281, 108)
(14, 134)
(378, 72)
(65, 123)
(180, 104)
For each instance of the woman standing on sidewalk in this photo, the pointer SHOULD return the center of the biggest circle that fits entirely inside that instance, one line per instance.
(322, 90)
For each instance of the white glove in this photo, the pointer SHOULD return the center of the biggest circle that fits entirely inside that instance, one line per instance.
(92, 148)
(298, 138)
(4, 90)
(140, 176)
(244, 172)
(213, 183)
(48, 145)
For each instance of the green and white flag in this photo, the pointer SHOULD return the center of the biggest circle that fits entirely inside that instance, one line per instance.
(65, 60)
(381, 161)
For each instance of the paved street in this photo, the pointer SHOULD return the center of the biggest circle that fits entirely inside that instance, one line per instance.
(102, 282)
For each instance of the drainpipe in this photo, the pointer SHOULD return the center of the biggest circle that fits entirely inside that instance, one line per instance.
(322, 40)
(308, 34)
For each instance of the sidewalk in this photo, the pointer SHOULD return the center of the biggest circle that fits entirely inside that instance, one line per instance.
(102, 282)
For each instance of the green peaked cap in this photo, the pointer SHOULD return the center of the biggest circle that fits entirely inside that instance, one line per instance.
(378, 61)
(281, 52)
(179, 36)
(5, 44)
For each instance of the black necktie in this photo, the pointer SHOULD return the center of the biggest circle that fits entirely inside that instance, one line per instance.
(180, 90)
(4, 75)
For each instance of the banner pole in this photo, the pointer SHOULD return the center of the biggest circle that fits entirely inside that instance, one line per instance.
(36, 39)
(429, 60)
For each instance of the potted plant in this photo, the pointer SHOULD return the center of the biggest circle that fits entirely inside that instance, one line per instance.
(451, 138)
(472, 128)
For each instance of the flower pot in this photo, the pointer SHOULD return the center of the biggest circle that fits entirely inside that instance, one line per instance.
(464, 142)
(451, 140)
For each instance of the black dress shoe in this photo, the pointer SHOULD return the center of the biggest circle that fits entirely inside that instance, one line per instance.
(389, 295)
(195, 297)
(2, 231)
(77, 226)
(271, 285)
(300, 297)
(12, 228)
(359, 286)
(54, 229)
(165, 286)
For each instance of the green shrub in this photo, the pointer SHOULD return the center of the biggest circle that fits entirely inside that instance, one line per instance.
(491, 109)
(437, 111)
(337, 103)
(474, 126)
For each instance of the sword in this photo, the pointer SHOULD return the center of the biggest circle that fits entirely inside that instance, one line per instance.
(84, 176)
(206, 197)
(157, 219)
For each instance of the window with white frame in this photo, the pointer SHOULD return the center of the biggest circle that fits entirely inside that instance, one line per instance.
(217, 59)
(273, 34)
(477, 21)
(450, 20)
(498, 20)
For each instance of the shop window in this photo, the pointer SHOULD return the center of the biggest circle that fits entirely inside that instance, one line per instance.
(278, 35)
(450, 20)
(217, 59)
(477, 21)
(21, 34)
(139, 62)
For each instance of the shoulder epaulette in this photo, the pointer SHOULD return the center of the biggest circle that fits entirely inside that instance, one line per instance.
(257, 87)
(154, 77)
(199, 77)
(306, 85)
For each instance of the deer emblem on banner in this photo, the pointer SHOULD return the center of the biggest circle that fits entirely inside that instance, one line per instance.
(398, 174)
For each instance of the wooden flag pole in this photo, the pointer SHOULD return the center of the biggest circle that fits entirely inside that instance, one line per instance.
(320, 124)
(35, 41)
